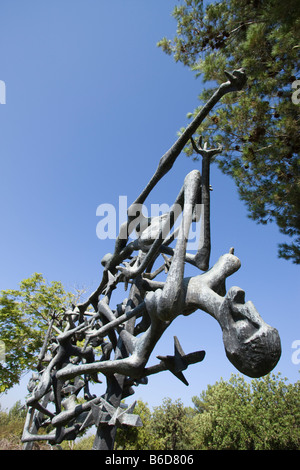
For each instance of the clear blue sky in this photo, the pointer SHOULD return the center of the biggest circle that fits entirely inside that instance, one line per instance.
(91, 106)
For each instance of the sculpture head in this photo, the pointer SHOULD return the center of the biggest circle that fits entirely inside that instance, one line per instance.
(251, 345)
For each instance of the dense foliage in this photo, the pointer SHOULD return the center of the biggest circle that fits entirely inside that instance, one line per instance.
(259, 126)
(166, 428)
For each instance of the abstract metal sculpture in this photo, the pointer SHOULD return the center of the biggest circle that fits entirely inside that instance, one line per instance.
(131, 330)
